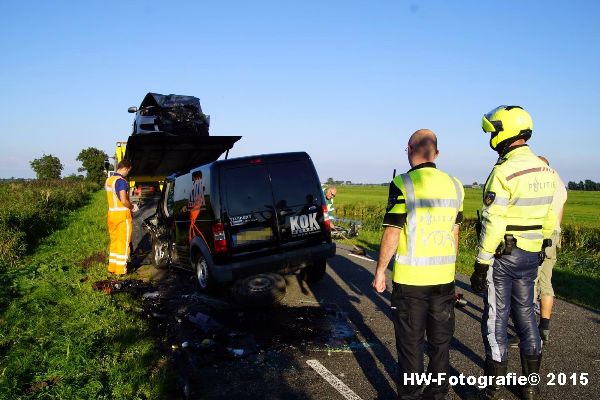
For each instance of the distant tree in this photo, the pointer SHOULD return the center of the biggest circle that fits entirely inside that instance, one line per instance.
(348, 183)
(74, 177)
(47, 167)
(475, 184)
(92, 162)
(330, 181)
(589, 185)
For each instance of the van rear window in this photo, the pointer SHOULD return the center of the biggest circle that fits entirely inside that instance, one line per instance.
(247, 189)
(294, 183)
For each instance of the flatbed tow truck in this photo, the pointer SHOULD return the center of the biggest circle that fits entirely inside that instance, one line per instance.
(155, 156)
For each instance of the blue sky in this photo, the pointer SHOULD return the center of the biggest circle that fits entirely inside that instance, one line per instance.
(346, 81)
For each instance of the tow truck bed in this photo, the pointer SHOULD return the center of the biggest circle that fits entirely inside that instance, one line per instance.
(154, 156)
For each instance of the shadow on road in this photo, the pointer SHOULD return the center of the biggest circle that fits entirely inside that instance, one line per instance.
(358, 279)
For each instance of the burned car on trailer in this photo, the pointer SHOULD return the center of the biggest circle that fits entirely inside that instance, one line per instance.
(170, 114)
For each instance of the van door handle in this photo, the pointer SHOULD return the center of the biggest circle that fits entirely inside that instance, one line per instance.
(285, 212)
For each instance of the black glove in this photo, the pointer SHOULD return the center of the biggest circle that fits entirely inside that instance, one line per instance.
(545, 243)
(479, 278)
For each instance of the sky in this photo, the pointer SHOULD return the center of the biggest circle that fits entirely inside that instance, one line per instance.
(345, 81)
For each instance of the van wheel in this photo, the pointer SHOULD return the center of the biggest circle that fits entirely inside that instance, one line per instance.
(260, 290)
(315, 272)
(160, 253)
(205, 280)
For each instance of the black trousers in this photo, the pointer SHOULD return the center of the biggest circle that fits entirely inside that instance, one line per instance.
(417, 310)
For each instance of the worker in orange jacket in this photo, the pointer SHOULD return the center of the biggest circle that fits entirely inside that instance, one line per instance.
(119, 218)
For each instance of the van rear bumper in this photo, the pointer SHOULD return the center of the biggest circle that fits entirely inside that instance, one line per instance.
(272, 263)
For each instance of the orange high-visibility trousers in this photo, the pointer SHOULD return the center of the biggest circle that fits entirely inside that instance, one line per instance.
(119, 229)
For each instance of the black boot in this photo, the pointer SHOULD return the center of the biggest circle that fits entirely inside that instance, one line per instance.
(493, 391)
(530, 365)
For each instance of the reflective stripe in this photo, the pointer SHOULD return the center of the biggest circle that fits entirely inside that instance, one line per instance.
(120, 262)
(411, 216)
(485, 256)
(531, 235)
(491, 317)
(424, 261)
(126, 252)
(500, 201)
(118, 209)
(528, 171)
(536, 201)
(423, 203)
(122, 257)
(458, 194)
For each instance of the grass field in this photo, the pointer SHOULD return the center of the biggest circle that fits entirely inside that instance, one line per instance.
(582, 208)
(61, 339)
(576, 275)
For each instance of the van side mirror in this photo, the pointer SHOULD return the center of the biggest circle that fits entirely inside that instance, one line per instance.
(132, 109)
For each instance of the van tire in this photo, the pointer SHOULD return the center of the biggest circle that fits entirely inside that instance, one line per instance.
(315, 272)
(260, 290)
(203, 276)
(160, 254)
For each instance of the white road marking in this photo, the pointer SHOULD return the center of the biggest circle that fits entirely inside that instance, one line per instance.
(362, 257)
(333, 380)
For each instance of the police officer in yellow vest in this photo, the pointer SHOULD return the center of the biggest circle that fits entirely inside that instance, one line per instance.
(119, 218)
(517, 218)
(421, 233)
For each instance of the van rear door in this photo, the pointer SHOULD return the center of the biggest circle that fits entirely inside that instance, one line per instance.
(249, 207)
(298, 200)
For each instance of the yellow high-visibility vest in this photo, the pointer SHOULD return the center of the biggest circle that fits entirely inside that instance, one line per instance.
(517, 200)
(431, 200)
(115, 207)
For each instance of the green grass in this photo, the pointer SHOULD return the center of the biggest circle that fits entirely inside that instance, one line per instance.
(581, 207)
(576, 275)
(61, 339)
(31, 210)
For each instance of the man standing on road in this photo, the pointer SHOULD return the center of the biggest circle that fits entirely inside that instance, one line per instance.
(329, 192)
(517, 217)
(421, 233)
(543, 283)
(119, 218)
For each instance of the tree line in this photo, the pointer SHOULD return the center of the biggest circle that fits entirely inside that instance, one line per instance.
(587, 185)
(92, 164)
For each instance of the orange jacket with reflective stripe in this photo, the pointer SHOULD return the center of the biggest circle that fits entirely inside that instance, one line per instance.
(115, 207)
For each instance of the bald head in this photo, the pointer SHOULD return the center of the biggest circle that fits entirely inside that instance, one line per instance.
(422, 147)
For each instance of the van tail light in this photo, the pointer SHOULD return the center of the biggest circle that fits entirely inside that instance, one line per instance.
(326, 222)
(219, 240)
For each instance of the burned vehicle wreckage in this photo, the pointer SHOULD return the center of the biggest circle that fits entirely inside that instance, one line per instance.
(171, 114)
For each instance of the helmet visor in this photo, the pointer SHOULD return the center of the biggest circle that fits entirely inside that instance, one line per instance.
(487, 122)
(490, 126)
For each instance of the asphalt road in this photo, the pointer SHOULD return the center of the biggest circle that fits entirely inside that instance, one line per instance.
(345, 326)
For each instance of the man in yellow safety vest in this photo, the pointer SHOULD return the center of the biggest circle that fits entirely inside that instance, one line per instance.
(119, 218)
(421, 232)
